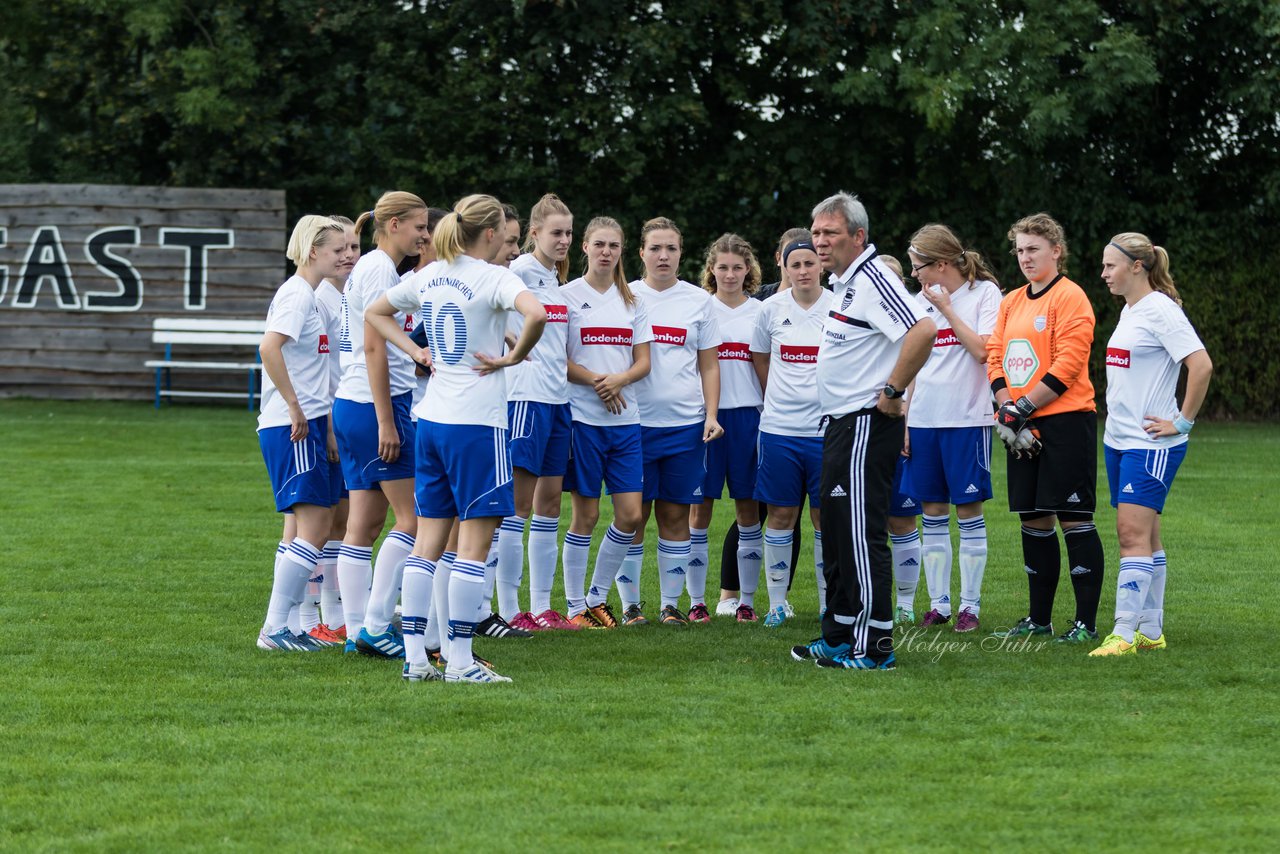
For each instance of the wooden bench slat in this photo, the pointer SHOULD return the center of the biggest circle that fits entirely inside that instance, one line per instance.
(238, 395)
(246, 339)
(211, 324)
(212, 366)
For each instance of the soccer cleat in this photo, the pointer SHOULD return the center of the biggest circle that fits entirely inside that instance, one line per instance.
(325, 636)
(1078, 633)
(585, 621)
(633, 615)
(746, 614)
(934, 618)
(603, 615)
(862, 662)
(904, 616)
(421, 673)
(787, 609)
(670, 616)
(283, 640)
(527, 622)
(308, 643)
(440, 662)
(1022, 629)
(699, 614)
(493, 626)
(551, 619)
(386, 645)
(816, 650)
(1115, 645)
(340, 631)
(1146, 644)
(726, 607)
(477, 674)
(776, 617)
(967, 621)
(348, 646)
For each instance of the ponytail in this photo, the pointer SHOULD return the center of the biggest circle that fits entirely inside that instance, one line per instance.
(1154, 259)
(395, 204)
(935, 242)
(465, 224)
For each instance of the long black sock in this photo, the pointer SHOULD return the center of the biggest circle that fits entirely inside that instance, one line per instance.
(1041, 557)
(729, 559)
(1088, 564)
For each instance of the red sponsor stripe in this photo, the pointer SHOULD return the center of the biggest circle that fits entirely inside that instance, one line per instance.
(670, 335)
(1117, 358)
(608, 335)
(324, 344)
(796, 353)
(734, 351)
(557, 313)
(408, 323)
(946, 338)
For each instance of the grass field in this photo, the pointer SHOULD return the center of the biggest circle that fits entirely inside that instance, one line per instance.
(135, 712)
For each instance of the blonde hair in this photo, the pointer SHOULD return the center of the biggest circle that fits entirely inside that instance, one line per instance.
(309, 232)
(1042, 225)
(619, 276)
(731, 244)
(892, 263)
(1154, 259)
(549, 205)
(791, 235)
(936, 242)
(660, 223)
(465, 224)
(395, 204)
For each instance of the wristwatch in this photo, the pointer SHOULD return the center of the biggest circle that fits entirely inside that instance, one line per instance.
(893, 393)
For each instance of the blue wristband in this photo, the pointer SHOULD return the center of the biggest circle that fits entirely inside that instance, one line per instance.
(1181, 424)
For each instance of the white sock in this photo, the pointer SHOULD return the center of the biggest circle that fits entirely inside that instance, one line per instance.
(415, 594)
(490, 579)
(296, 565)
(777, 564)
(819, 569)
(696, 579)
(936, 552)
(330, 597)
(543, 551)
(355, 571)
(609, 557)
(510, 566)
(1132, 585)
(973, 562)
(628, 578)
(387, 572)
(574, 559)
(906, 566)
(440, 601)
(466, 589)
(309, 607)
(673, 563)
(1152, 622)
(750, 556)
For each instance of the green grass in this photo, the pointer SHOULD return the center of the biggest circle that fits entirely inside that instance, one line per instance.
(135, 712)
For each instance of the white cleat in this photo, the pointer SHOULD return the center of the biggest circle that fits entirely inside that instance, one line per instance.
(727, 608)
(476, 673)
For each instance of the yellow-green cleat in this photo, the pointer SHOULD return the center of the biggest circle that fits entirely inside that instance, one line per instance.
(1115, 645)
(1146, 644)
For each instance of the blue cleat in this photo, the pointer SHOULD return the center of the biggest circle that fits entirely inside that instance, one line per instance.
(776, 617)
(386, 645)
(284, 640)
(816, 649)
(847, 662)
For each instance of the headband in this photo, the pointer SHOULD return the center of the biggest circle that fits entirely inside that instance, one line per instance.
(793, 246)
(1126, 253)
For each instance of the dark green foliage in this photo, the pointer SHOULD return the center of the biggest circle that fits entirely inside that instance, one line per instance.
(1161, 117)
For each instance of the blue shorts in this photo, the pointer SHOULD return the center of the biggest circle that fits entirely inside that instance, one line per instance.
(610, 455)
(1142, 476)
(299, 471)
(951, 465)
(675, 463)
(464, 470)
(337, 484)
(903, 503)
(539, 434)
(790, 468)
(732, 457)
(356, 426)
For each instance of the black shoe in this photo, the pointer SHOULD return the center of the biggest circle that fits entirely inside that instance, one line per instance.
(493, 626)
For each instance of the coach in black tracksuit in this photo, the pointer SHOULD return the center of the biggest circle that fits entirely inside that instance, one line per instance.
(873, 342)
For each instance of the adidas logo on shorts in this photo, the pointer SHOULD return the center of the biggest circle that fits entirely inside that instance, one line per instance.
(839, 492)
(1073, 498)
(698, 491)
(1128, 488)
(1082, 570)
(908, 503)
(970, 489)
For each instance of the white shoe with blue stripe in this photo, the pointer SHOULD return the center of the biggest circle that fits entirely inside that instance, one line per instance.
(282, 640)
(477, 673)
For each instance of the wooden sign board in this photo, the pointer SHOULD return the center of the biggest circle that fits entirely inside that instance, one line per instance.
(85, 269)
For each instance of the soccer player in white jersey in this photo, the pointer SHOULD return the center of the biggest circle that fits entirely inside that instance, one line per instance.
(731, 275)
(538, 429)
(950, 418)
(679, 404)
(375, 434)
(1145, 439)
(608, 350)
(463, 463)
(784, 348)
(294, 419)
(509, 249)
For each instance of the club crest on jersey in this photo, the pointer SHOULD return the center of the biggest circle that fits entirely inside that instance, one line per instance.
(1117, 358)
(669, 335)
(1040, 323)
(847, 300)
(324, 344)
(619, 337)
(734, 351)
(557, 313)
(797, 353)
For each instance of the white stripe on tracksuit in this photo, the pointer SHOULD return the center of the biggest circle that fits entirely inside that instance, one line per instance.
(858, 530)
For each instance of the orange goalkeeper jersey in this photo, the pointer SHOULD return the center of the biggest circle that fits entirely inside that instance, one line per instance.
(1044, 337)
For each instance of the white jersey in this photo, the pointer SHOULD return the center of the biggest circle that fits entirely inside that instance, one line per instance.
(1151, 339)
(951, 388)
(463, 306)
(329, 301)
(420, 379)
(739, 385)
(374, 275)
(294, 314)
(602, 331)
(545, 377)
(791, 335)
(862, 337)
(671, 396)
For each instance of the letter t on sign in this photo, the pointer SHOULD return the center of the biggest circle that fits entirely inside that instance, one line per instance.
(197, 242)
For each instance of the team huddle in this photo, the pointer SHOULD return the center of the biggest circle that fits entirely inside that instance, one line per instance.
(465, 386)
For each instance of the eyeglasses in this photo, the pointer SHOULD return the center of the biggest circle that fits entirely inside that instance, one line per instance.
(916, 268)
